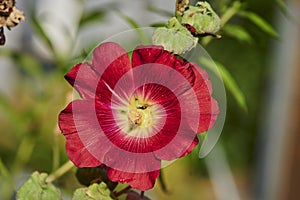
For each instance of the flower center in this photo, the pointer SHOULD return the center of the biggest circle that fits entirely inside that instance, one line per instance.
(139, 114)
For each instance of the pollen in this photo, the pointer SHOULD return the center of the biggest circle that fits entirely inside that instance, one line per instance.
(139, 114)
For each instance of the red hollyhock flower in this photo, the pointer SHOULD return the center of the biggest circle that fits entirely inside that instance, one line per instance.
(135, 112)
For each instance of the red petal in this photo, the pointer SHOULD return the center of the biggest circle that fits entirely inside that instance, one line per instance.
(169, 103)
(76, 150)
(208, 106)
(146, 54)
(84, 79)
(183, 143)
(111, 61)
(191, 147)
(139, 181)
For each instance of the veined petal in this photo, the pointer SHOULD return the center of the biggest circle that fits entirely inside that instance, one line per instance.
(208, 106)
(76, 150)
(181, 145)
(191, 147)
(111, 61)
(146, 54)
(145, 140)
(140, 181)
(84, 79)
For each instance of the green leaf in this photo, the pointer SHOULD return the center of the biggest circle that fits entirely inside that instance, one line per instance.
(230, 12)
(158, 10)
(93, 192)
(286, 11)
(260, 22)
(202, 18)
(37, 188)
(174, 38)
(229, 82)
(131, 22)
(237, 32)
(158, 24)
(25, 61)
(91, 17)
(202, 137)
(39, 30)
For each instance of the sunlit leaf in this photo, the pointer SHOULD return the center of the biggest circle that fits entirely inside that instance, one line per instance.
(93, 192)
(237, 32)
(260, 22)
(36, 187)
(229, 82)
(91, 17)
(174, 38)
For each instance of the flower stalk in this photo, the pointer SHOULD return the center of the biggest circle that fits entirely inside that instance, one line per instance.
(60, 171)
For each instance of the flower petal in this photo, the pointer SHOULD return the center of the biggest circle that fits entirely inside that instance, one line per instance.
(146, 54)
(140, 181)
(191, 147)
(111, 61)
(145, 143)
(208, 106)
(84, 79)
(181, 145)
(76, 150)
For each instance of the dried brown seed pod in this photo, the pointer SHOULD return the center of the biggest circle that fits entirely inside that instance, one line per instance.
(10, 16)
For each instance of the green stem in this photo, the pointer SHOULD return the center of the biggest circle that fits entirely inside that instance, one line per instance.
(9, 187)
(162, 182)
(60, 171)
(55, 151)
(24, 153)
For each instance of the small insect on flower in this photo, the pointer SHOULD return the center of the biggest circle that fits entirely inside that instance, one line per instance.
(10, 16)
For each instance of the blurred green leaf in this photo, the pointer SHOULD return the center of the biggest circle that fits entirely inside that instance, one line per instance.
(129, 20)
(260, 22)
(3, 170)
(159, 11)
(230, 12)
(25, 61)
(36, 187)
(12, 115)
(158, 24)
(202, 138)
(93, 192)
(237, 32)
(229, 82)
(133, 24)
(284, 9)
(91, 17)
(39, 30)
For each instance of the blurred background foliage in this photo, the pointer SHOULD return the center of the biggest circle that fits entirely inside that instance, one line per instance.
(38, 92)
